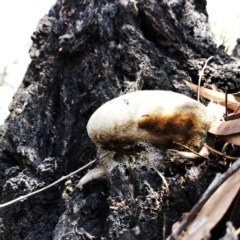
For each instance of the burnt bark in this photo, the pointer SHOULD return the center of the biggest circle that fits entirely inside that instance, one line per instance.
(85, 53)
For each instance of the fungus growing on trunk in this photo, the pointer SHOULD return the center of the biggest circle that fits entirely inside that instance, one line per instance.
(156, 117)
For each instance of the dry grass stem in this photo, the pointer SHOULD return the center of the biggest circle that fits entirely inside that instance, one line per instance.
(52, 184)
(220, 153)
(201, 74)
(191, 150)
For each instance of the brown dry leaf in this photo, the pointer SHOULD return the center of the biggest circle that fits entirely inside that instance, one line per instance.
(237, 110)
(175, 225)
(214, 209)
(178, 222)
(215, 88)
(226, 128)
(234, 116)
(234, 139)
(237, 94)
(229, 131)
(218, 97)
(215, 126)
(236, 209)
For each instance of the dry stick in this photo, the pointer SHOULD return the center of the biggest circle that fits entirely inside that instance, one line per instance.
(224, 148)
(191, 150)
(226, 103)
(219, 179)
(163, 178)
(220, 153)
(201, 74)
(164, 226)
(52, 184)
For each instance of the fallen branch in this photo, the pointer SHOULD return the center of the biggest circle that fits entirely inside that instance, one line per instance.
(52, 184)
(219, 179)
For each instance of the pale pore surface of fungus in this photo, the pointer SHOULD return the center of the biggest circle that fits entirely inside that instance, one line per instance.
(155, 117)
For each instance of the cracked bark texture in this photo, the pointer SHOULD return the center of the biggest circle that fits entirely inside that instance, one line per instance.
(85, 53)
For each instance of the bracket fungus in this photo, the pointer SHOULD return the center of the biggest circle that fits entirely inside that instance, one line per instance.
(156, 117)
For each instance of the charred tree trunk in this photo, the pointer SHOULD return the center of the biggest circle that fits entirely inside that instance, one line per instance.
(85, 53)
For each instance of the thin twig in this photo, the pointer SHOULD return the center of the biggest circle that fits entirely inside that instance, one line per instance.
(226, 103)
(216, 183)
(201, 74)
(191, 150)
(52, 184)
(224, 148)
(164, 226)
(163, 178)
(220, 153)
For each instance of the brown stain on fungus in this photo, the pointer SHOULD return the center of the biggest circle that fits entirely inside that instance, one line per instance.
(180, 128)
(158, 118)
